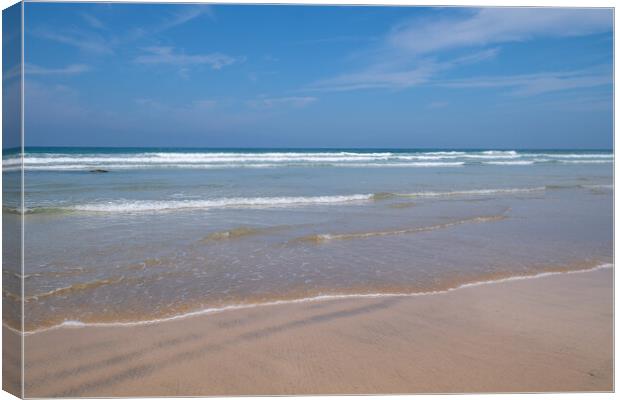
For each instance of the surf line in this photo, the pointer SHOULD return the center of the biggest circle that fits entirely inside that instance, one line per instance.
(215, 310)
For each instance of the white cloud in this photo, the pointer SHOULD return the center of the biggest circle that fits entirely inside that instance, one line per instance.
(92, 21)
(294, 102)
(212, 115)
(186, 14)
(399, 73)
(84, 41)
(411, 53)
(497, 25)
(376, 77)
(437, 104)
(586, 104)
(31, 69)
(538, 83)
(205, 104)
(336, 39)
(12, 72)
(96, 40)
(194, 106)
(167, 55)
(54, 104)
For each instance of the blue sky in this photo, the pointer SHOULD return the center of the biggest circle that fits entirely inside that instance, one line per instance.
(314, 76)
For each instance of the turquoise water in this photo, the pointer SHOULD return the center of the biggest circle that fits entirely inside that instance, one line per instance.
(164, 232)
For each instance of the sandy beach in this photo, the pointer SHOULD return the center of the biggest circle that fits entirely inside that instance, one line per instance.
(552, 333)
(360, 199)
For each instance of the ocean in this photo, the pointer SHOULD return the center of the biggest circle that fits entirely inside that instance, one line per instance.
(130, 235)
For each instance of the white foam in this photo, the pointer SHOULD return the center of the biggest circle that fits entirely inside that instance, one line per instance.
(274, 159)
(509, 162)
(598, 186)
(129, 166)
(593, 155)
(80, 324)
(500, 152)
(474, 192)
(403, 165)
(444, 153)
(586, 161)
(227, 202)
(136, 206)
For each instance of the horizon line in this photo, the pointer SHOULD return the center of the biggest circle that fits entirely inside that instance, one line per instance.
(314, 148)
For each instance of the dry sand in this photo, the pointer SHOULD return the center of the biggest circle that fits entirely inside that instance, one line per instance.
(546, 334)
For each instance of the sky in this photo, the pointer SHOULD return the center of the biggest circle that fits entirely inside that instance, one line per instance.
(192, 75)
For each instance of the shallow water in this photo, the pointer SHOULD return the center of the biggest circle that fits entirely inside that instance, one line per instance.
(167, 232)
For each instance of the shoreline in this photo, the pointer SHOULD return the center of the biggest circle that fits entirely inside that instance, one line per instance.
(554, 333)
(312, 299)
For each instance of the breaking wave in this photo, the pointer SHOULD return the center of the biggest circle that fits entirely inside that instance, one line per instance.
(153, 206)
(111, 159)
(230, 202)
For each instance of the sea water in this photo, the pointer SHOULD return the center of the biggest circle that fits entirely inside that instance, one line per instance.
(135, 235)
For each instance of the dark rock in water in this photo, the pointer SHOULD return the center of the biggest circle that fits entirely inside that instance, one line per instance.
(99, 171)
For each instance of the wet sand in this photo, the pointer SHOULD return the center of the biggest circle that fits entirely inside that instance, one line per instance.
(547, 334)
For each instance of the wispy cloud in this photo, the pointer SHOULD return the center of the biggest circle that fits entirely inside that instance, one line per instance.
(93, 21)
(194, 106)
(31, 69)
(213, 105)
(167, 55)
(437, 104)
(55, 104)
(94, 38)
(577, 104)
(82, 40)
(337, 39)
(538, 83)
(273, 102)
(184, 15)
(497, 25)
(376, 77)
(397, 74)
(11, 72)
(215, 115)
(414, 52)
(172, 20)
